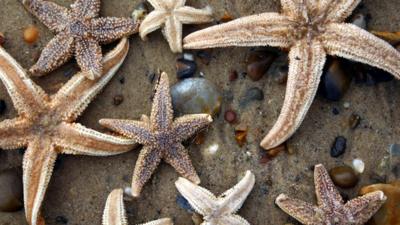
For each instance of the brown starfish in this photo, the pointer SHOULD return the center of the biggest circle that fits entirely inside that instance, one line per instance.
(78, 30)
(312, 30)
(46, 124)
(161, 137)
(331, 208)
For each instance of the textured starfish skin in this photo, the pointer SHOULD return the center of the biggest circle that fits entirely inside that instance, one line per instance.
(170, 15)
(114, 211)
(311, 30)
(218, 210)
(78, 31)
(331, 208)
(161, 137)
(45, 124)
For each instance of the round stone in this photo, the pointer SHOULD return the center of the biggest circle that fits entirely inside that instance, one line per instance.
(334, 81)
(258, 64)
(230, 116)
(185, 68)
(344, 176)
(11, 195)
(252, 94)
(31, 34)
(339, 147)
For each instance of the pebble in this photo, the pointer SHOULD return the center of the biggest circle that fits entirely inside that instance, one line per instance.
(196, 95)
(185, 68)
(339, 147)
(204, 56)
(334, 81)
(394, 150)
(335, 111)
(197, 219)
(354, 121)
(344, 176)
(226, 17)
(267, 156)
(258, 63)
(388, 214)
(11, 194)
(252, 94)
(184, 204)
(2, 39)
(346, 105)
(230, 116)
(241, 134)
(31, 34)
(233, 75)
(3, 106)
(358, 165)
(118, 99)
(212, 149)
(360, 20)
(140, 11)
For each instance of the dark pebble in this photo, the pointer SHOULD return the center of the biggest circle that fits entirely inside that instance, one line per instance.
(258, 63)
(335, 111)
(61, 220)
(121, 80)
(344, 176)
(354, 121)
(185, 68)
(338, 147)
(11, 194)
(334, 81)
(204, 56)
(118, 99)
(233, 75)
(3, 107)
(252, 94)
(184, 204)
(230, 116)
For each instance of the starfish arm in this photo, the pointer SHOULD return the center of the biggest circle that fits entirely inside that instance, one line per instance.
(292, 8)
(14, 133)
(50, 14)
(179, 3)
(173, 33)
(114, 211)
(364, 207)
(161, 116)
(178, 157)
(202, 200)
(78, 92)
(38, 164)
(232, 220)
(57, 52)
(152, 22)
(267, 29)
(27, 97)
(158, 4)
(190, 15)
(186, 126)
(339, 10)
(109, 29)
(233, 199)
(327, 194)
(147, 162)
(354, 43)
(300, 210)
(138, 131)
(89, 57)
(86, 8)
(79, 140)
(305, 69)
(165, 221)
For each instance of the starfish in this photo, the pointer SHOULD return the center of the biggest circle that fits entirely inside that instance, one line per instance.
(218, 210)
(311, 30)
(78, 30)
(171, 14)
(45, 124)
(331, 208)
(161, 137)
(114, 211)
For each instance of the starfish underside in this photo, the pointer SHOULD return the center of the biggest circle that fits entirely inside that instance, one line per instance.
(170, 15)
(218, 210)
(45, 124)
(312, 30)
(331, 208)
(161, 137)
(78, 30)
(115, 214)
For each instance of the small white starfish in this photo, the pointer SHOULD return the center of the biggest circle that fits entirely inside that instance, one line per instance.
(114, 211)
(171, 14)
(218, 210)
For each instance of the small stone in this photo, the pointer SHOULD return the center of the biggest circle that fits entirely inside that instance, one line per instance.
(212, 149)
(140, 12)
(388, 214)
(335, 111)
(11, 194)
(241, 134)
(200, 138)
(31, 34)
(344, 176)
(272, 153)
(185, 68)
(358, 165)
(226, 17)
(230, 116)
(61, 220)
(339, 147)
(258, 63)
(2, 39)
(197, 219)
(204, 56)
(233, 75)
(360, 20)
(118, 99)
(184, 204)
(346, 105)
(394, 150)
(252, 94)
(354, 121)
(334, 81)
(3, 106)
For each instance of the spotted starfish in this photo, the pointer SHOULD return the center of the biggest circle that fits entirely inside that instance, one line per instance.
(312, 30)
(114, 211)
(161, 137)
(331, 208)
(218, 210)
(78, 30)
(170, 15)
(45, 124)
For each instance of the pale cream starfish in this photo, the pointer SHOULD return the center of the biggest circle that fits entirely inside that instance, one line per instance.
(218, 210)
(312, 29)
(161, 136)
(114, 211)
(331, 208)
(45, 124)
(170, 15)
